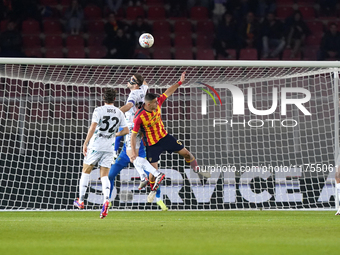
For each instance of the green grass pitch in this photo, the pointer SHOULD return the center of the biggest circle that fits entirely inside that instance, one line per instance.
(172, 232)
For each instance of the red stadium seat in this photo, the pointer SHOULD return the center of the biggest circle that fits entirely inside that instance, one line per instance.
(31, 41)
(76, 52)
(315, 26)
(161, 27)
(207, 54)
(204, 41)
(96, 27)
(97, 52)
(54, 53)
(30, 26)
(307, 12)
(95, 40)
(92, 12)
(132, 12)
(183, 41)
(199, 13)
(3, 25)
(204, 27)
(65, 2)
(53, 41)
(248, 54)
(52, 27)
(232, 53)
(33, 52)
(162, 54)
(162, 41)
(183, 53)
(284, 12)
(313, 39)
(310, 52)
(182, 27)
(74, 41)
(156, 13)
(287, 55)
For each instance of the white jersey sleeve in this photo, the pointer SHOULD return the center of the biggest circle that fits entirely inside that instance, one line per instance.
(95, 116)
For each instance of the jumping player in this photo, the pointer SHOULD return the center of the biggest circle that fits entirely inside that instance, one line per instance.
(148, 120)
(98, 147)
(138, 88)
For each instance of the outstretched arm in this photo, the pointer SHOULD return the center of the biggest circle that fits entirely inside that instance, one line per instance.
(174, 87)
(126, 107)
(123, 132)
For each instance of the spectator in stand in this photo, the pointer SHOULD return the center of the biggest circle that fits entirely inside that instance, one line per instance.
(112, 25)
(135, 2)
(3, 9)
(264, 7)
(272, 36)
(226, 35)
(139, 27)
(330, 44)
(178, 8)
(118, 47)
(74, 17)
(114, 5)
(241, 8)
(19, 10)
(11, 42)
(297, 33)
(327, 7)
(219, 9)
(249, 32)
(192, 3)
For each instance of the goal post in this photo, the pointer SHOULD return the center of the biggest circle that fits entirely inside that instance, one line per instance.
(267, 131)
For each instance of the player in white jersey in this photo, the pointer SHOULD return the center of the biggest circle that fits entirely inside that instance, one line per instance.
(98, 146)
(138, 87)
(337, 181)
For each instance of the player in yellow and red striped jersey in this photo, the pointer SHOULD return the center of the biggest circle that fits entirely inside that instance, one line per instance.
(148, 120)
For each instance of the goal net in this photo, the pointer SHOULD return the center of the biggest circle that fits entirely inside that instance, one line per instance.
(266, 131)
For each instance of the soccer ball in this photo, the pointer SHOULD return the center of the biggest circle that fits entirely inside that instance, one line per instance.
(146, 40)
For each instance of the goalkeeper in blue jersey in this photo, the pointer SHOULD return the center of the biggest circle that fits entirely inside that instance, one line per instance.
(123, 161)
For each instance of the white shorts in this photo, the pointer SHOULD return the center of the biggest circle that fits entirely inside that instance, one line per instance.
(128, 141)
(103, 158)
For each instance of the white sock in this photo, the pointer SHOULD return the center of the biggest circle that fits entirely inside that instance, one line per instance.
(105, 188)
(143, 163)
(338, 189)
(140, 170)
(83, 183)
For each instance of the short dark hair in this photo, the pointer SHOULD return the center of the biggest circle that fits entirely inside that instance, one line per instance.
(110, 95)
(139, 78)
(150, 96)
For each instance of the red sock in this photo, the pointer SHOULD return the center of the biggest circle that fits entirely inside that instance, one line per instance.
(193, 164)
(151, 184)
